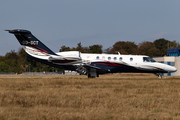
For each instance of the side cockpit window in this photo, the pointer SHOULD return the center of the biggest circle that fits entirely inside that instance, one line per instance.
(145, 59)
(152, 60)
(148, 59)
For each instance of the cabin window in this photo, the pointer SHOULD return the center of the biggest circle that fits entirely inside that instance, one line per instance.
(109, 58)
(103, 58)
(120, 58)
(131, 59)
(115, 58)
(97, 58)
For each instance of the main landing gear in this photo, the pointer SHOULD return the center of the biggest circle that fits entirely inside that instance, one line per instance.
(92, 73)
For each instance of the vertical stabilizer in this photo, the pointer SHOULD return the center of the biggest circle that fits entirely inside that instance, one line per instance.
(25, 38)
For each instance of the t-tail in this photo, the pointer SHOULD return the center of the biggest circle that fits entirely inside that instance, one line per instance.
(33, 46)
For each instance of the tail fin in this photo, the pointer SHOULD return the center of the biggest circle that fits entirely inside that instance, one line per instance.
(25, 38)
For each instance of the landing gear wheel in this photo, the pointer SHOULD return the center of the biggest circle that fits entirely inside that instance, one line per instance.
(160, 76)
(89, 76)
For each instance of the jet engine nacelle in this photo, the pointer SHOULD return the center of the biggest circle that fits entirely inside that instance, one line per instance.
(69, 55)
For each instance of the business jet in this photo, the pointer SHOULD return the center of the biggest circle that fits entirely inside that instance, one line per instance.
(88, 64)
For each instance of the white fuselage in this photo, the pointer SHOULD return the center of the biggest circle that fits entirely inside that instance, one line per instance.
(107, 62)
(135, 61)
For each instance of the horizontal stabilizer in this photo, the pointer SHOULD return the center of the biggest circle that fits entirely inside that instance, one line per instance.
(16, 31)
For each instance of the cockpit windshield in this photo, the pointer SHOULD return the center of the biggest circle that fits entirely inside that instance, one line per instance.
(148, 59)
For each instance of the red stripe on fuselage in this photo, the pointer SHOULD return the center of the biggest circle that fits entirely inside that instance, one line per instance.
(111, 63)
(42, 50)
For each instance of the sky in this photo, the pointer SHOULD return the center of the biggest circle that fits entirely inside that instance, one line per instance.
(104, 22)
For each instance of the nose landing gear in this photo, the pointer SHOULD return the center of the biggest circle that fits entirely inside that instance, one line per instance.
(159, 75)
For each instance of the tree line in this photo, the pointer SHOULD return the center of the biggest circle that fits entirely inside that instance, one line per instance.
(153, 49)
(18, 62)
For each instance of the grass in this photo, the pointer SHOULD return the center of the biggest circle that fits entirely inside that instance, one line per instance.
(109, 97)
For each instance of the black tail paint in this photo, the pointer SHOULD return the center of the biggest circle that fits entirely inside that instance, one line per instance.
(27, 39)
